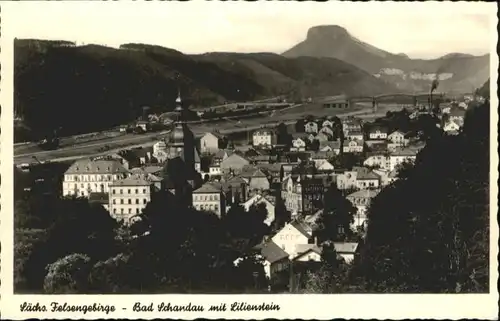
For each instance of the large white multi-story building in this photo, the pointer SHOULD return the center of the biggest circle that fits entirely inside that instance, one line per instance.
(88, 176)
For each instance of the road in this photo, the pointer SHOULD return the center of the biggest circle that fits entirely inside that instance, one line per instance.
(288, 116)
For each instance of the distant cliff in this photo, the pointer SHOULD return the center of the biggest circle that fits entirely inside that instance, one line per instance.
(457, 71)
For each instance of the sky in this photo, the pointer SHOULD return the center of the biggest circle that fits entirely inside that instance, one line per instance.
(420, 30)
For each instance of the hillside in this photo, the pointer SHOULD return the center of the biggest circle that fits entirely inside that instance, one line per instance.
(485, 89)
(81, 89)
(457, 72)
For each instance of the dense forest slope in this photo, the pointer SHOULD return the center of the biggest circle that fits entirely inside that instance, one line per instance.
(80, 89)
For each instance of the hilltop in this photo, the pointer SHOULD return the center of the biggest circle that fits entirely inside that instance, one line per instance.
(81, 89)
(457, 71)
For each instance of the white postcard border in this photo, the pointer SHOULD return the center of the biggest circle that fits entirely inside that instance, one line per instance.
(362, 306)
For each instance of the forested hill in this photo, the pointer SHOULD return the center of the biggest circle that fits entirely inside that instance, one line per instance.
(429, 231)
(89, 88)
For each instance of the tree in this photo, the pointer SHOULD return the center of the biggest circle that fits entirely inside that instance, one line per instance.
(111, 275)
(300, 126)
(281, 214)
(331, 276)
(438, 242)
(77, 227)
(337, 216)
(68, 275)
(283, 137)
(314, 145)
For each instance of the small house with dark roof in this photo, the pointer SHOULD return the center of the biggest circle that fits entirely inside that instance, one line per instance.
(275, 258)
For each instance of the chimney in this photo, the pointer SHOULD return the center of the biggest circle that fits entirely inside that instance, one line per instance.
(315, 240)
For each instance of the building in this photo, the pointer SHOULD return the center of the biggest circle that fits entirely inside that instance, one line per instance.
(221, 155)
(397, 137)
(210, 198)
(457, 115)
(451, 128)
(275, 258)
(346, 250)
(298, 143)
(325, 166)
(377, 160)
(293, 234)
(401, 156)
(353, 146)
(361, 200)
(209, 143)
(257, 180)
(128, 197)
(337, 103)
(366, 179)
(327, 130)
(351, 124)
(182, 167)
(308, 253)
(320, 157)
(354, 135)
(311, 127)
(236, 191)
(386, 177)
(264, 138)
(327, 123)
(266, 201)
(160, 151)
(88, 176)
(302, 195)
(323, 137)
(377, 132)
(330, 146)
(233, 163)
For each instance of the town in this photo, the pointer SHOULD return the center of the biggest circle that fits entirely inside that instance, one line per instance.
(290, 177)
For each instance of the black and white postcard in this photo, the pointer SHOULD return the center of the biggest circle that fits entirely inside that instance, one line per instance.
(248, 160)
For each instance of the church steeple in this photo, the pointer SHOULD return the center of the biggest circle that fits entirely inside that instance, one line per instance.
(178, 102)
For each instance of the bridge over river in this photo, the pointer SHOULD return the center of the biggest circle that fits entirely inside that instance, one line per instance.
(407, 98)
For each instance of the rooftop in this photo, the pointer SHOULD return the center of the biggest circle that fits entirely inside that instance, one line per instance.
(207, 188)
(345, 247)
(302, 227)
(135, 180)
(272, 252)
(101, 166)
(364, 193)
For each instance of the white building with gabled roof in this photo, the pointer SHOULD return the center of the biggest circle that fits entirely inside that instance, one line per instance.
(88, 176)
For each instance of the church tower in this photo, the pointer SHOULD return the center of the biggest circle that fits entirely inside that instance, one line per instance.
(182, 143)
